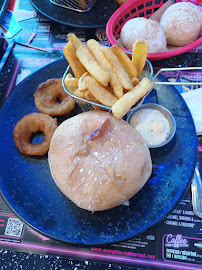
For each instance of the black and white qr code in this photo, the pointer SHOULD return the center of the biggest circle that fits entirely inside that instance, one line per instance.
(14, 227)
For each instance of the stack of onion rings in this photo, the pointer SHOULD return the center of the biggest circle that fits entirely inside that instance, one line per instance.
(29, 125)
(50, 98)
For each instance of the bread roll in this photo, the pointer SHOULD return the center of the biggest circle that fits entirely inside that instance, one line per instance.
(181, 23)
(145, 30)
(103, 172)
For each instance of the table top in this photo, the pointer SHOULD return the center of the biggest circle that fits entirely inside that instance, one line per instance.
(173, 243)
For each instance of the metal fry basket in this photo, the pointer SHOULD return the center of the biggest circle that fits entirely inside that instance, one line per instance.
(86, 105)
(76, 5)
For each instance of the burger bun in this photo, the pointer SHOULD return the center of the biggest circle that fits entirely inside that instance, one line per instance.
(103, 172)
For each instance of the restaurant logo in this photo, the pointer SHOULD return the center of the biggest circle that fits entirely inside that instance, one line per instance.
(176, 241)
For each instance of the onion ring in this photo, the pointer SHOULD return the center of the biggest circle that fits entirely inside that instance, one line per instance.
(29, 125)
(50, 98)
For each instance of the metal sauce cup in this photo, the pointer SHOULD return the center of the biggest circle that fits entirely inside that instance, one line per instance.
(167, 115)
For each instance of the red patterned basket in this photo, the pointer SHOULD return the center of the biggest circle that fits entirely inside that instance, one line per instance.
(142, 8)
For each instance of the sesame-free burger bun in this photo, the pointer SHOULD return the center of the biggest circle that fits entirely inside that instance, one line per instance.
(102, 172)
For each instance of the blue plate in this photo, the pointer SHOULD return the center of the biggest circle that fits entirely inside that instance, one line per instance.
(96, 17)
(27, 185)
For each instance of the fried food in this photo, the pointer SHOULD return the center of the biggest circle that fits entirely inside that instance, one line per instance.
(29, 125)
(135, 81)
(110, 74)
(90, 97)
(121, 73)
(76, 42)
(96, 50)
(71, 83)
(81, 83)
(50, 98)
(123, 105)
(139, 57)
(70, 55)
(88, 61)
(99, 92)
(125, 61)
(92, 66)
(80, 93)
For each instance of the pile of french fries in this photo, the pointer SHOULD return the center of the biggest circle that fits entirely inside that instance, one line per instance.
(106, 75)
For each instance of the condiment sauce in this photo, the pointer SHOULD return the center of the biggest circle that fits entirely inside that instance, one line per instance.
(152, 125)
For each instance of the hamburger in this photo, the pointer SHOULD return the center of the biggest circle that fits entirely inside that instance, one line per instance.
(101, 172)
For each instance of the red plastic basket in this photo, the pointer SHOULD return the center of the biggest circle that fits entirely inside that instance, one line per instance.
(142, 8)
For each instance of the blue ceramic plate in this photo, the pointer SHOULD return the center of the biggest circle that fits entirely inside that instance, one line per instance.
(27, 185)
(97, 16)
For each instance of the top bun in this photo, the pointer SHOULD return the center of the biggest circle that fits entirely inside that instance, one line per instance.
(145, 30)
(103, 172)
(181, 23)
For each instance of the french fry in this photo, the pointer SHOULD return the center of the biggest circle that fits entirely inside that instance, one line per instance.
(122, 75)
(123, 105)
(135, 81)
(99, 92)
(76, 42)
(71, 83)
(69, 75)
(69, 46)
(139, 56)
(95, 49)
(88, 61)
(81, 82)
(105, 74)
(125, 61)
(90, 97)
(109, 89)
(92, 66)
(73, 61)
(80, 93)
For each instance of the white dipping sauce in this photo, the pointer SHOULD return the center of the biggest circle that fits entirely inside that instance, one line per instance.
(152, 125)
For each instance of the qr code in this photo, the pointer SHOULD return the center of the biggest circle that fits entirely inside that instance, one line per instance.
(14, 227)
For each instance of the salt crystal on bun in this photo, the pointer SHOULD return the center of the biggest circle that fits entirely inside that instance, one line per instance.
(145, 30)
(103, 172)
(181, 23)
